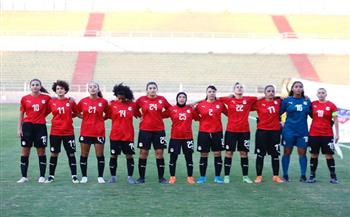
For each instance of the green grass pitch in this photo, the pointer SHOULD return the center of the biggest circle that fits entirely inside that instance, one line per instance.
(62, 198)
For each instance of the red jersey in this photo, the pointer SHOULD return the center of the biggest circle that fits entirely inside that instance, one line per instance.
(122, 114)
(93, 123)
(322, 114)
(210, 116)
(151, 110)
(238, 112)
(181, 118)
(268, 114)
(62, 116)
(35, 108)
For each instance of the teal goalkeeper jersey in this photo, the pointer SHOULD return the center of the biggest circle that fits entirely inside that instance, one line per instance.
(297, 110)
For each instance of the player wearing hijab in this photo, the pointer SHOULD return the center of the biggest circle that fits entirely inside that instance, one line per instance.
(181, 135)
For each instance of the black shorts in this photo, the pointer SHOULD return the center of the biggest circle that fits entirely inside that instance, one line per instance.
(118, 146)
(146, 138)
(325, 143)
(92, 140)
(68, 143)
(210, 141)
(267, 141)
(34, 133)
(175, 146)
(239, 141)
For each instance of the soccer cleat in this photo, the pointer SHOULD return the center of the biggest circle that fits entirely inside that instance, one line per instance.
(227, 179)
(333, 181)
(75, 180)
(286, 178)
(303, 179)
(41, 179)
(163, 181)
(277, 179)
(312, 179)
(100, 180)
(131, 180)
(247, 180)
(140, 181)
(218, 180)
(258, 179)
(113, 179)
(22, 180)
(202, 180)
(50, 179)
(190, 180)
(84, 180)
(172, 180)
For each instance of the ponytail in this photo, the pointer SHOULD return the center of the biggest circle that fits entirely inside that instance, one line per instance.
(99, 93)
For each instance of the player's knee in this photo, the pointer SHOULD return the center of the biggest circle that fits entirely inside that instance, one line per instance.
(159, 153)
(229, 154)
(128, 156)
(204, 154)
(314, 156)
(329, 156)
(217, 154)
(40, 151)
(143, 154)
(243, 154)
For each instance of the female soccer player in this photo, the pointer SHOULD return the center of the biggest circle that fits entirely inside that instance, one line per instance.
(63, 110)
(32, 127)
(181, 135)
(152, 130)
(121, 111)
(237, 135)
(92, 110)
(268, 133)
(295, 129)
(210, 133)
(323, 113)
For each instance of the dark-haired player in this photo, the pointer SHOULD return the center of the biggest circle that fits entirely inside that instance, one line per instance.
(32, 127)
(210, 136)
(237, 135)
(63, 110)
(181, 136)
(321, 134)
(152, 130)
(268, 133)
(121, 111)
(295, 129)
(92, 110)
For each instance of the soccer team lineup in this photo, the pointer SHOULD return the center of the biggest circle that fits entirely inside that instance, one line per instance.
(282, 123)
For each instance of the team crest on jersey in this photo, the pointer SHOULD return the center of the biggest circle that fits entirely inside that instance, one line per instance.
(217, 106)
(263, 104)
(275, 102)
(188, 111)
(129, 108)
(67, 104)
(160, 101)
(244, 102)
(305, 103)
(327, 108)
(43, 101)
(100, 104)
(28, 101)
(234, 102)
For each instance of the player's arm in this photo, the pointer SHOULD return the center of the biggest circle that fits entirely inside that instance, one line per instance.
(336, 126)
(19, 127)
